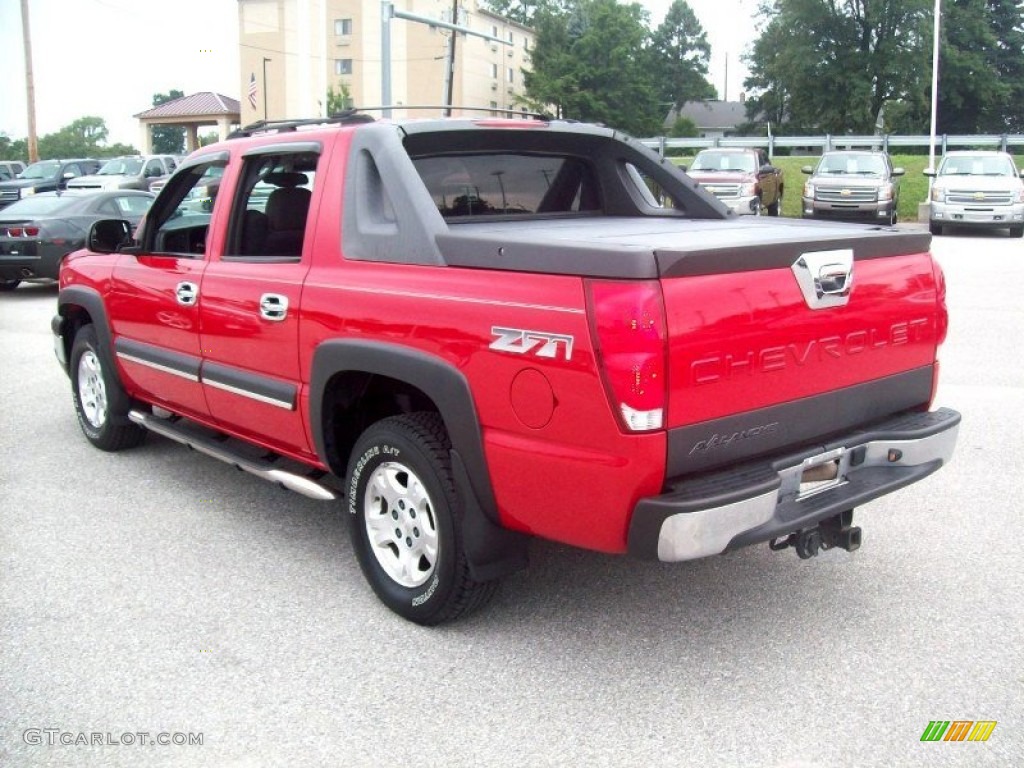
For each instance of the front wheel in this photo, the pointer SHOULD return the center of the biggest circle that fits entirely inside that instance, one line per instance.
(406, 520)
(9, 285)
(99, 397)
(935, 229)
(1016, 231)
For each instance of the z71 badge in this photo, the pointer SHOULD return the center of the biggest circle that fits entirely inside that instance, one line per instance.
(523, 342)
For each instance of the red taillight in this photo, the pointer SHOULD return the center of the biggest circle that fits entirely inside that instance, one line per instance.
(942, 314)
(22, 231)
(628, 327)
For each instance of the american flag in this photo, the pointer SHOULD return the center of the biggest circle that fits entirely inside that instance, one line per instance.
(252, 90)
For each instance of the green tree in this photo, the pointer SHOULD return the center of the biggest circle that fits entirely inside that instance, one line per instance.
(592, 64)
(13, 150)
(684, 128)
(832, 65)
(338, 100)
(679, 58)
(527, 11)
(81, 138)
(1007, 19)
(168, 139)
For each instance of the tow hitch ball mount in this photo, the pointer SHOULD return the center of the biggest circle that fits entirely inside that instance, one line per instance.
(837, 531)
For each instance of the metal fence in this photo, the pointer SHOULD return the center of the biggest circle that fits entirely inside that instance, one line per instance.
(815, 144)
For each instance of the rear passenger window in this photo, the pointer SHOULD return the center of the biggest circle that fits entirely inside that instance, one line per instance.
(508, 184)
(272, 207)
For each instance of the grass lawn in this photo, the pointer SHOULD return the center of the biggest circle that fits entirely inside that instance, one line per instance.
(913, 185)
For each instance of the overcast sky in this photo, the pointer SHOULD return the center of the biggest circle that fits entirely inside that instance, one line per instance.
(108, 57)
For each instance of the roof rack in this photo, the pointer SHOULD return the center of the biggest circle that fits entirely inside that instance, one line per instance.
(345, 117)
(456, 107)
(356, 115)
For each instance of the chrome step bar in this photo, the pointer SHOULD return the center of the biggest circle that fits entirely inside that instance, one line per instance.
(262, 469)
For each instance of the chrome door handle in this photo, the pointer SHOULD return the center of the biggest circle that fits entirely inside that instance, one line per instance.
(274, 307)
(186, 293)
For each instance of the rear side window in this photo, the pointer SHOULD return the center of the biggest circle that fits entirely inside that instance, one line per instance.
(272, 207)
(508, 184)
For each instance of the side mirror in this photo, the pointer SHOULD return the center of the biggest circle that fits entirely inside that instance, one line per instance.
(807, 169)
(109, 236)
(68, 175)
(766, 168)
(683, 168)
(929, 172)
(897, 171)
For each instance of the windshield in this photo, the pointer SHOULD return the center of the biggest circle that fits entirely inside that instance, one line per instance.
(977, 165)
(852, 164)
(122, 166)
(44, 170)
(724, 161)
(38, 205)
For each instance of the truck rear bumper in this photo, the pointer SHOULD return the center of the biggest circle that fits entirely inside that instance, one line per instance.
(761, 501)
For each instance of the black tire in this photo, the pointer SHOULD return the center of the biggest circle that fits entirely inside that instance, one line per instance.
(9, 285)
(935, 229)
(418, 569)
(1016, 231)
(100, 401)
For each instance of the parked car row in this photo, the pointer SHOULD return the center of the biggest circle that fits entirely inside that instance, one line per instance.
(977, 189)
(128, 172)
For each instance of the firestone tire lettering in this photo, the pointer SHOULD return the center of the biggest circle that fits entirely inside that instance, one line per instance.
(406, 522)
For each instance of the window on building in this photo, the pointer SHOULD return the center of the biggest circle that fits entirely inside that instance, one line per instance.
(511, 75)
(494, 71)
(511, 39)
(343, 27)
(494, 107)
(343, 66)
(494, 30)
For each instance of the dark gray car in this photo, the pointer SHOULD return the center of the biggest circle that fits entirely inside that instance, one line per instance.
(38, 232)
(854, 186)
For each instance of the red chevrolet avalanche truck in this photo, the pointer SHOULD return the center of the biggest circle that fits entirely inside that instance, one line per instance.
(471, 332)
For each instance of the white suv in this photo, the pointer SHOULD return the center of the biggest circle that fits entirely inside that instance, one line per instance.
(977, 189)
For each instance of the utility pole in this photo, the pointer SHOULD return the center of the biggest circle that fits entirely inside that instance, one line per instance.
(450, 86)
(30, 85)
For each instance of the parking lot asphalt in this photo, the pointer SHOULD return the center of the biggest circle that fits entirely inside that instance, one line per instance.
(158, 591)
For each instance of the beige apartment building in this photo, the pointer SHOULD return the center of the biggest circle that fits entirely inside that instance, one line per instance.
(292, 51)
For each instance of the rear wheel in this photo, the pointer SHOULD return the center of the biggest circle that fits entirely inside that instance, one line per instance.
(406, 520)
(9, 285)
(98, 396)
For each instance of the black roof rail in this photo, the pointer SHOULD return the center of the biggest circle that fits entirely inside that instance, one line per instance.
(346, 117)
(455, 107)
(356, 115)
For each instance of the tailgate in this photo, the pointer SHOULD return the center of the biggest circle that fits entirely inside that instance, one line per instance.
(758, 363)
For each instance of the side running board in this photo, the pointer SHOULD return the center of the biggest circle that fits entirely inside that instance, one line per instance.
(211, 447)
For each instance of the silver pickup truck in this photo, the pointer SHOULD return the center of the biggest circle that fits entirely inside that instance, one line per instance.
(977, 189)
